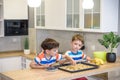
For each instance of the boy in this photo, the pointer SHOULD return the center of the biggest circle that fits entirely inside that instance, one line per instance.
(76, 53)
(49, 55)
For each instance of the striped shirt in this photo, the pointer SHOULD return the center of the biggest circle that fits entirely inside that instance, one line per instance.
(76, 56)
(41, 59)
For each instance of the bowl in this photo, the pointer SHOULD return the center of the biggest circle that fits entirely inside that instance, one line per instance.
(100, 54)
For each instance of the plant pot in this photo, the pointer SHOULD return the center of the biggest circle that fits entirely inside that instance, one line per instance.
(26, 51)
(111, 57)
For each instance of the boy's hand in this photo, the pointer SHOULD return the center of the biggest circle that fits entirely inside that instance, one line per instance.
(46, 65)
(73, 62)
(88, 58)
(69, 59)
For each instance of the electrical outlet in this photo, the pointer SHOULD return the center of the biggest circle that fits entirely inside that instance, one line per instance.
(93, 47)
(14, 39)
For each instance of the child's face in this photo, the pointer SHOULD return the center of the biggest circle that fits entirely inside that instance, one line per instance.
(76, 45)
(52, 52)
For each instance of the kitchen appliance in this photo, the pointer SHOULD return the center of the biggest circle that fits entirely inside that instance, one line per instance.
(15, 27)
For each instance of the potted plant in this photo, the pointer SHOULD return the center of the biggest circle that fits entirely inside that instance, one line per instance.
(110, 41)
(26, 46)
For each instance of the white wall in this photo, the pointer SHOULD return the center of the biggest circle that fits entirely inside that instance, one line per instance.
(64, 38)
(118, 49)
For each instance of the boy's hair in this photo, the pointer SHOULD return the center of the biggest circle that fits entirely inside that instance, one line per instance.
(78, 37)
(49, 44)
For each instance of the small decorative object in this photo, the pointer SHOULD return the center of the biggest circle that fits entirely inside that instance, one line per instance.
(110, 41)
(26, 46)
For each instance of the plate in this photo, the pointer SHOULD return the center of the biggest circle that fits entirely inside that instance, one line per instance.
(53, 68)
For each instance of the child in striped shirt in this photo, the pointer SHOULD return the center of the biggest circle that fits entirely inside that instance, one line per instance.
(49, 55)
(76, 53)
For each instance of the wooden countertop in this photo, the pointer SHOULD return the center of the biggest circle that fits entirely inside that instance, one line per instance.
(42, 74)
(16, 53)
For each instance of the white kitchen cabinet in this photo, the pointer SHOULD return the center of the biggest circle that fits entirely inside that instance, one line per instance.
(40, 15)
(26, 63)
(15, 9)
(69, 15)
(12, 9)
(10, 64)
(53, 15)
(1, 19)
(59, 15)
(92, 16)
(23, 63)
(73, 13)
(103, 17)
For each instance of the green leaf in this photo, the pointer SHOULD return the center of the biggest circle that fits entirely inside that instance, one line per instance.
(26, 43)
(100, 41)
(118, 38)
(105, 37)
(104, 43)
(110, 40)
(111, 36)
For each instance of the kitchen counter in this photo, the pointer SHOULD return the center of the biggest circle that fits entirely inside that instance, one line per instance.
(17, 53)
(112, 70)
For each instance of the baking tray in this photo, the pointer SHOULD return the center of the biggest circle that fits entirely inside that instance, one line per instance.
(92, 66)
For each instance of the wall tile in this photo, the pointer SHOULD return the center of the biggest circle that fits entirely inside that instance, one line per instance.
(64, 38)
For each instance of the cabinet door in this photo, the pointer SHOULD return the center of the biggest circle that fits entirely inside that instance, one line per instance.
(28, 61)
(40, 15)
(92, 16)
(73, 13)
(15, 9)
(55, 14)
(11, 63)
(103, 17)
(50, 15)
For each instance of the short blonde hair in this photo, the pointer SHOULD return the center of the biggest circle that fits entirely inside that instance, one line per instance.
(78, 37)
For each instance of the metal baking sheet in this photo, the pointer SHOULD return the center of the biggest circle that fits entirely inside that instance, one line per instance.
(92, 66)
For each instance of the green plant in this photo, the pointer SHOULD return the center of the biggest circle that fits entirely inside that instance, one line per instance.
(110, 41)
(26, 43)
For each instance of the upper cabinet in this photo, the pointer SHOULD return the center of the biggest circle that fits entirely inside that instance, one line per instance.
(103, 17)
(12, 9)
(15, 9)
(69, 15)
(40, 15)
(50, 14)
(73, 13)
(92, 16)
